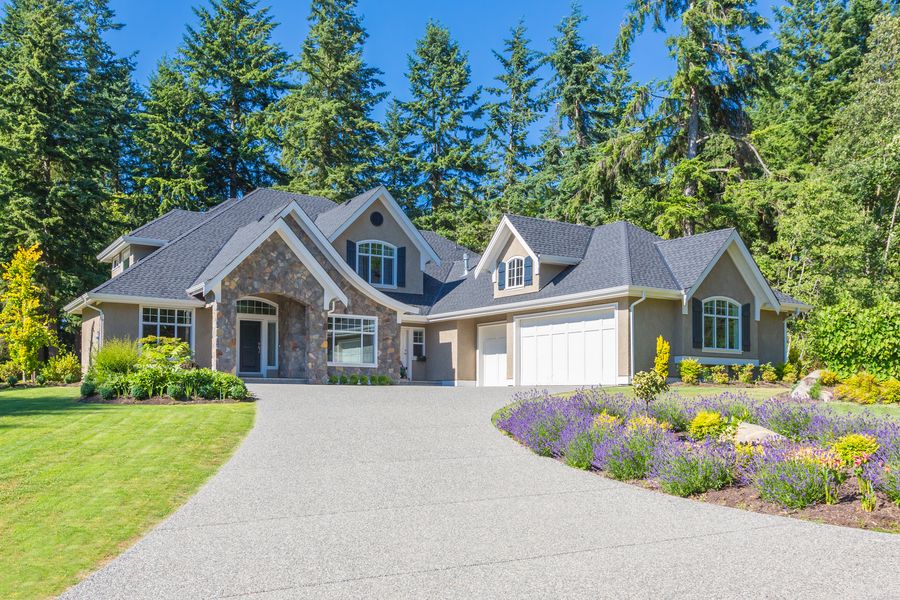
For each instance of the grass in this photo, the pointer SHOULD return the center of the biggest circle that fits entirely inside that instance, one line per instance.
(80, 482)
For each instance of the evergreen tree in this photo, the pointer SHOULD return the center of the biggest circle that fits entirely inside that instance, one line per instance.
(329, 138)
(395, 160)
(174, 141)
(231, 58)
(511, 117)
(445, 142)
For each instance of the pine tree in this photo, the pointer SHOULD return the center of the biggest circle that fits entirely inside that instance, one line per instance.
(232, 59)
(174, 141)
(58, 152)
(511, 117)
(395, 160)
(329, 137)
(445, 141)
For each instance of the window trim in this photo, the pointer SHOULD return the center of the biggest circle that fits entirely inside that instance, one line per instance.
(264, 365)
(509, 271)
(328, 339)
(193, 312)
(413, 343)
(368, 279)
(738, 318)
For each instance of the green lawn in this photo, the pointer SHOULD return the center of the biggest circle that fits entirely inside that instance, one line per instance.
(80, 482)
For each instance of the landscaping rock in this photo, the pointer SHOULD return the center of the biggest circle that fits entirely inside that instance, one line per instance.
(748, 433)
(826, 395)
(801, 391)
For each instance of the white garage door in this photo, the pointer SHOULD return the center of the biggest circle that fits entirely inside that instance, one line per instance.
(492, 355)
(577, 348)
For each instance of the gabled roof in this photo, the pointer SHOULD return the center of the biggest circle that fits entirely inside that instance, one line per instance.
(329, 222)
(553, 238)
(170, 225)
(687, 257)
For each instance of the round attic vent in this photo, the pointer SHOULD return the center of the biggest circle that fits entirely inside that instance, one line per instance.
(376, 218)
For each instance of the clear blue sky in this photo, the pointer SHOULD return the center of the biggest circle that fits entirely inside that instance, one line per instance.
(155, 28)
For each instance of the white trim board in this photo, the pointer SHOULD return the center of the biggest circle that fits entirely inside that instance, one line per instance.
(501, 235)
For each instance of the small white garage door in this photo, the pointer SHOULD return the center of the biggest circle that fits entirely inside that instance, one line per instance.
(575, 348)
(492, 355)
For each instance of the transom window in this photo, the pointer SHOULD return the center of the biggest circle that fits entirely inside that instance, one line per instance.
(351, 341)
(515, 272)
(256, 307)
(721, 324)
(376, 262)
(167, 322)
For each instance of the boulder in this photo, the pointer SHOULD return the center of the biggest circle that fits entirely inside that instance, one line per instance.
(748, 433)
(801, 390)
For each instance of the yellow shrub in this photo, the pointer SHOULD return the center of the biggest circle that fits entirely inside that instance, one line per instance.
(646, 424)
(890, 391)
(690, 371)
(706, 424)
(605, 421)
(829, 378)
(661, 362)
(861, 388)
(853, 446)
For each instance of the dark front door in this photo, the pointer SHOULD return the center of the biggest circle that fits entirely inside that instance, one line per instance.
(251, 335)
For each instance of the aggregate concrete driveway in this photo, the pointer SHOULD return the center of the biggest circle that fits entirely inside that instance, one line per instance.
(410, 492)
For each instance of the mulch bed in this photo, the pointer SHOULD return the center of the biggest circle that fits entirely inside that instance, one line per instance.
(96, 399)
(846, 513)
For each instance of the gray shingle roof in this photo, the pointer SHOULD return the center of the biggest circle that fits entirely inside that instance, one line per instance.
(330, 220)
(688, 256)
(553, 238)
(170, 225)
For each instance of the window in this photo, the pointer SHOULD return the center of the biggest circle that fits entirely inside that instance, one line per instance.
(256, 307)
(721, 325)
(418, 342)
(376, 262)
(167, 322)
(117, 261)
(515, 273)
(351, 341)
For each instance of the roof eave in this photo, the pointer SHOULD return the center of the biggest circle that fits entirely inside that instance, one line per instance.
(128, 240)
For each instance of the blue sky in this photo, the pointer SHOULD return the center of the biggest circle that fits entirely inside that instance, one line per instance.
(155, 28)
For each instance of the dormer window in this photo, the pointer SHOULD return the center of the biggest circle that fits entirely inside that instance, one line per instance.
(515, 272)
(376, 262)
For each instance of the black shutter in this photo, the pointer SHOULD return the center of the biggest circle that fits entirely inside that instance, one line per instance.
(351, 254)
(745, 327)
(529, 267)
(401, 266)
(697, 322)
(501, 276)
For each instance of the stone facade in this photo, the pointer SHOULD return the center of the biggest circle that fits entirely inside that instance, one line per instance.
(275, 273)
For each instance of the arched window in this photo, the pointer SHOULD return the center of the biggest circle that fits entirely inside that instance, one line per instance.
(721, 324)
(376, 262)
(515, 272)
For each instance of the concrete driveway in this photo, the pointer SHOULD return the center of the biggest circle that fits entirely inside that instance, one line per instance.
(410, 492)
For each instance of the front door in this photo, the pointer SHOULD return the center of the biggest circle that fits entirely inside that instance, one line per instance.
(250, 355)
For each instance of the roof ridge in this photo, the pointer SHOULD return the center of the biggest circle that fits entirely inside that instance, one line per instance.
(548, 220)
(161, 217)
(696, 235)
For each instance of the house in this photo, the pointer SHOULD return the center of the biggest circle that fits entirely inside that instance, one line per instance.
(285, 285)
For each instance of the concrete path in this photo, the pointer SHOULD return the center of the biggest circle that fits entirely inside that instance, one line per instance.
(410, 492)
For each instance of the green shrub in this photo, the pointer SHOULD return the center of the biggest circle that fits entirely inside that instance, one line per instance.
(333, 379)
(671, 411)
(767, 373)
(385, 380)
(224, 383)
(890, 391)
(237, 392)
(193, 380)
(861, 388)
(706, 424)
(690, 371)
(175, 391)
(661, 361)
(853, 446)
(745, 373)
(688, 473)
(829, 378)
(719, 374)
(64, 367)
(138, 392)
(648, 385)
(545, 433)
(632, 458)
(151, 378)
(354, 379)
(343, 380)
(207, 392)
(789, 373)
(794, 483)
(106, 392)
(12, 380)
(163, 351)
(115, 356)
(40, 380)
(815, 390)
(88, 388)
(580, 452)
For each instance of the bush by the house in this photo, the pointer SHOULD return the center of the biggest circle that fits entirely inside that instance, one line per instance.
(116, 356)
(648, 385)
(768, 373)
(890, 391)
(661, 361)
(821, 451)
(829, 378)
(719, 374)
(9, 370)
(359, 380)
(861, 388)
(62, 368)
(789, 373)
(744, 373)
(690, 371)
(88, 388)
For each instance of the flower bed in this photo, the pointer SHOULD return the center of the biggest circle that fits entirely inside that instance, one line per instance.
(838, 469)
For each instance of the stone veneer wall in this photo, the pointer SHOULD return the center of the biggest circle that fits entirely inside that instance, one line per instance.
(273, 271)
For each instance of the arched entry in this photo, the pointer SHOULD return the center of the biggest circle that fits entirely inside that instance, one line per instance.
(257, 336)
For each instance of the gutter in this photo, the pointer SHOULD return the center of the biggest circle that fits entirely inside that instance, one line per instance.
(631, 333)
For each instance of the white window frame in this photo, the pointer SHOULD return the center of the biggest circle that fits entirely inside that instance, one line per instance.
(369, 255)
(192, 311)
(264, 365)
(715, 317)
(417, 331)
(329, 337)
(520, 268)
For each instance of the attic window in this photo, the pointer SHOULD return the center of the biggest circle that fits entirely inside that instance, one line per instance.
(515, 272)
(376, 218)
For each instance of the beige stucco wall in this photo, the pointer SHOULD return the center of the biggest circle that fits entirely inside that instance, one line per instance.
(203, 337)
(119, 321)
(90, 335)
(389, 231)
(771, 337)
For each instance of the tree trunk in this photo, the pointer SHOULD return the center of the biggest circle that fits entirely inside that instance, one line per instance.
(887, 244)
(693, 137)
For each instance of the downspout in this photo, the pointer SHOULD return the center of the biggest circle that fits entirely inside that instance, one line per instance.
(631, 333)
(786, 345)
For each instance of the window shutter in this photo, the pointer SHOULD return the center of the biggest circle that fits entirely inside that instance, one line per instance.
(401, 266)
(697, 322)
(351, 254)
(529, 267)
(501, 276)
(745, 327)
